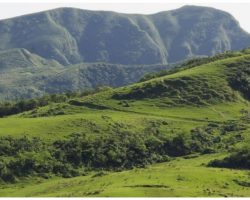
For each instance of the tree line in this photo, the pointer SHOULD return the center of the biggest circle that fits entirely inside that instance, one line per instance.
(11, 108)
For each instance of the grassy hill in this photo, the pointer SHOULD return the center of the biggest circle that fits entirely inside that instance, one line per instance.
(173, 135)
(220, 81)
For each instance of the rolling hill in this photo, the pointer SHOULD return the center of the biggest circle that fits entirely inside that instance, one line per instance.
(144, 139)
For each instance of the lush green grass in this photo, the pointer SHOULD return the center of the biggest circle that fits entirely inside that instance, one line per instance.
(77, 119)
(208, 84)
(55, 127)
(181, 177)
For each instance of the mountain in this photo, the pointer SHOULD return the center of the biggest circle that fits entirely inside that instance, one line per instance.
(68, 49)
(72, 36)
(143, 139)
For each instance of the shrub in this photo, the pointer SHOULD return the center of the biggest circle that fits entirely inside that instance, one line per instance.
(240, 159)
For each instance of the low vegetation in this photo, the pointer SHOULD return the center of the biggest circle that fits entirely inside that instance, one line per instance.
(239, 159)
(15, 107)
(118, 150)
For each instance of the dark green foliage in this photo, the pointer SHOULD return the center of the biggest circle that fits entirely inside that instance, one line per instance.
(118, 150)
(239, 77)
(230, 126)
(5, 174)
(180, 91)
(204, 141)
(11, 147)
(178, 146)
(245, 115)
(242, 183)
(121, 150)
(215, 137)
(240, 159)
(10, 108)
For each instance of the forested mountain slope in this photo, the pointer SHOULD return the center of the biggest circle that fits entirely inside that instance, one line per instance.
(26, 75)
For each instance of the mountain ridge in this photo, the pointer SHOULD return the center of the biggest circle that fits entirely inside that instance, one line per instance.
(71, 35)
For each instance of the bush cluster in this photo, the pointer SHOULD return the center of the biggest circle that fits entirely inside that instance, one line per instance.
(79, 152)
(118, 150)
(240, 159)
(10, 108)
(239, 79)
(197, 90)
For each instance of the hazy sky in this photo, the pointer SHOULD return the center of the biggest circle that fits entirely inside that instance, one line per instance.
(241, 11)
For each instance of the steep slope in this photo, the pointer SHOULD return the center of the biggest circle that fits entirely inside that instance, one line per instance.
(21, 58)
(22, 73)
(197, 31)
(72, 35)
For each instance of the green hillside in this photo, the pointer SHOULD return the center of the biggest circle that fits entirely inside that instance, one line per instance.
(176, 134)
(221, 81)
